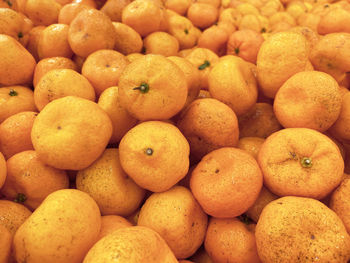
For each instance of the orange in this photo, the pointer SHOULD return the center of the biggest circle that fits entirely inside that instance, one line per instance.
(69, 11)
(47, 64)
(16, 63)
(161, 43)
(178, 6)
(131, 244)
(5, 244)
(309, 99)
(143, 16)
(340, 201)
(114, 9)
(122, 121)
(13, 215)
(264, 198)
(335, 20)
(46, 236)
(251, 145)
(133, 56)
(340, 129)
(245, 44)
(15, 133)
(42, 12)
(185, 232)
(111, 223)
(202, 15)
(103, 69)
(331, 55)
(90, 31)
(71, 133)
(3, 170)
(59, 83)
(230, 240)
(280, 57)
(152, 88)
(260, 121)
(155, 155)
(203, 59)
(297, 229)
(105, 181)
(226, 182)
(215, 39)
(127, 41)
(271, 7)
(298, 161)
(191, 76)
(53, 42)
(250, 22)
(183, 30)
(30, 181)
(309, 20)
(208, 124)
(33, 40)
(231, 15)
(15, 99)
(232, 82)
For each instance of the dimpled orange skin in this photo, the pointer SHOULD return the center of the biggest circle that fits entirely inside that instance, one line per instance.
(122, 121)
(16, 64)
(309, 99)
(260, 121)
(49, 235)
(3, 170)
(58, 83)
(230, 240)
(281, 56)
(132, 244)
(185, 231)
(127, 41)
(297, 229)
(27, 175)
(114, 192)
(208, 124)
(71, 133)
(285, 173)
(103, 68)
(167, 91)
(232, 82)
(161, 167)
(15, 99)
(89, 31)
(340, 202)
(111, 223)
(341, 127)
(15, 133)
(47, 64)
(13, 215)
(226, 182)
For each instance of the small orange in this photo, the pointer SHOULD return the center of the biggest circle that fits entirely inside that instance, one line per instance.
(260, 121)
(152, 88)
(111, 223)
(59, 83)
(161, 43)
(90, 31)
(340, 128)
(335, 20)
(208, 124)
(53, 42)
(122, 121)
(15, 99)
(226, 182)
(15, 133)
(42, 12)
(298, 161)
(251, 145)
(13, 215)
(103, 69)
(155, 155)
(69, 11)
(143, 16)
(47, 64)
(127, 41)
(178, 6)
(202, 15)
(33, 40)
(220, 37)
(29, 181)
(114, 9)
(230, 240)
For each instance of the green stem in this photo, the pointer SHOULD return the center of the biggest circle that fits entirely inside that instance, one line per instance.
(144, 87)
(204, 65)
(21, 198)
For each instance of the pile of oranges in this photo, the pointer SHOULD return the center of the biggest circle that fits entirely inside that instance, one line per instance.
(164, 131)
